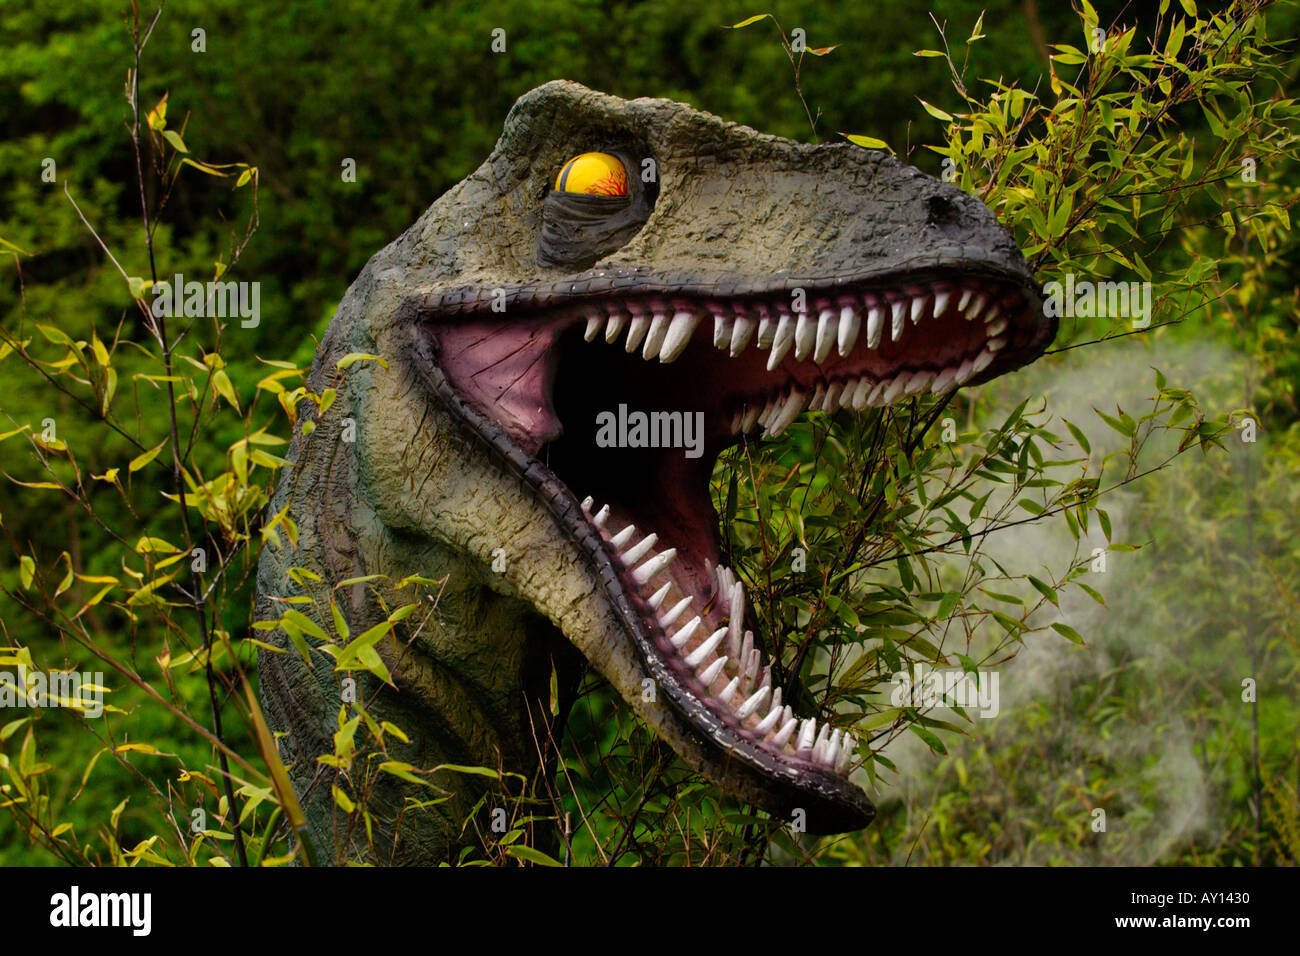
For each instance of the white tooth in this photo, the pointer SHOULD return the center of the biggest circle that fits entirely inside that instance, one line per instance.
(615, 327)
(593, 327)
(721, 331)
(751, 416)
(675, 612)
(768, 411)
(919, 303)
(846, 395)
(776, 698)
(729, 691)
(722, 574)
(636, 332)
(991, 316)
(741, 333)
(807, 735)
(918, 382)
(709, 673)
(850, 323)
(746, 651)
(860, 394)
(982, 361)
(751, 671)
(805, 336)
(643, 574)
(996, 345)
(818, 401)
(769, 721)
(688, 629)
(876, 397)
(658, 597)
(620, 540)
(894, 389)
(941, 302)
(819, 747)
(965, 297)
(899, 317)
(943, 381)
(634, 554)
(832, 749)
(678, 336)
(789, 412)
(784, 733)
(654, 339)
(826, 333)
(754, 702)
(977, 306)
(587, 502)
(601, 516)
(965, 372)
(833, 392)
(737, 620)
(875, 325)
(847, 746)
(766, 332)
(736, 419)
(995, 328)
(781, 342)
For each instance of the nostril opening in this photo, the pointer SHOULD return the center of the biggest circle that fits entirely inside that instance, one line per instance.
(943, 211)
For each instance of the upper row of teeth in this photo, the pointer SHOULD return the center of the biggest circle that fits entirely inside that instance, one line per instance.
(748, 695)
(662, 328)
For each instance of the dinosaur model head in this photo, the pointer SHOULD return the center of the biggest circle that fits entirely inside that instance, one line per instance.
(570, 342)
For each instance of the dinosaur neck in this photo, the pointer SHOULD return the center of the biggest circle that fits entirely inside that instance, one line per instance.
(471, 674)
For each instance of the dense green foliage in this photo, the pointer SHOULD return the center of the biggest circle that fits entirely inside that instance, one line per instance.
(955, 534)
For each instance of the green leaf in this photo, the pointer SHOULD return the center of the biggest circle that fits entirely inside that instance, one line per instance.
(867, 142)
(221, 382)
(530, 855)
(174, 138)
(340, 625)
(936, 112)
(946, 605)
(353, 357)
(748, 21)
(142, 459)
(933, 742)
(1069, 632)
(306, 624)
(1044, 589)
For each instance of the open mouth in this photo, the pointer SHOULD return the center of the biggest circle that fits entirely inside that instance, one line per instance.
(627, 400)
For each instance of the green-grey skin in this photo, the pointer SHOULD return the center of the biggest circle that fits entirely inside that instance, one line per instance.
(421, 492)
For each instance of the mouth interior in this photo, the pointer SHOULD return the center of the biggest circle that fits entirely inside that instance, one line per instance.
(630, 400)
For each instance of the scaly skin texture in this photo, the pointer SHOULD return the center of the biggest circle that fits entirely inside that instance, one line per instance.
(432, 485)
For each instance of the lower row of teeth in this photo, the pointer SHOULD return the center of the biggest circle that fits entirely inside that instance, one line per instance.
(777, 413)
(725, 656)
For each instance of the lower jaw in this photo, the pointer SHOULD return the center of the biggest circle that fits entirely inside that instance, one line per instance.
(695, 613)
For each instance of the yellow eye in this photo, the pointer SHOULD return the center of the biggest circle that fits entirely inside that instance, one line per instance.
(598, 174)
